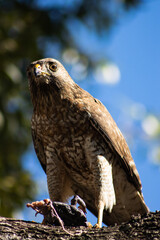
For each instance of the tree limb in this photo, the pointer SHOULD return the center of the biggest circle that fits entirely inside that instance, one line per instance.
(146, 227)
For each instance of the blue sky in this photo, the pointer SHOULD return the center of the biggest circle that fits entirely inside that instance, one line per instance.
(134, 47)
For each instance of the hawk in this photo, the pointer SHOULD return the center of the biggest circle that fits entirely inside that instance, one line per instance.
(80, 147)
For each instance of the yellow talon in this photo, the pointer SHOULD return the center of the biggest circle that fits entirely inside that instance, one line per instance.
(97, 225)
(89, 225)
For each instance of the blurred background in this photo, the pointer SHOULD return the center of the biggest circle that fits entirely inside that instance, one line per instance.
(111, 49)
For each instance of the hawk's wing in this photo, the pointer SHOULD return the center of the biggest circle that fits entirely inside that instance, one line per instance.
(104, 123)
(38, 145)
(101, 119)
(129, 201)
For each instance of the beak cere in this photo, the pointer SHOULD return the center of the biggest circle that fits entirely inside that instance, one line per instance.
(37, 70)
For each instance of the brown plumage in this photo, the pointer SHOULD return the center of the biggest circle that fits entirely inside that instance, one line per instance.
(80, 146)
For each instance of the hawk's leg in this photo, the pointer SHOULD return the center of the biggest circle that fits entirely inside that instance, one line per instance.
(104, 189)
(76, 199)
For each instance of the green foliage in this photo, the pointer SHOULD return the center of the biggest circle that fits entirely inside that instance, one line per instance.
(26, 29)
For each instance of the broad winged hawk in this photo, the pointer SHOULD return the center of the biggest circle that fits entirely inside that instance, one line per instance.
(80, 146)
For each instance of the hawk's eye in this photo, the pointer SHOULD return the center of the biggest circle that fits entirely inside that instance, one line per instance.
(53, 66)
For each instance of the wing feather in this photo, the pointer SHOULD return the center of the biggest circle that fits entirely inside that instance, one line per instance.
(102, 121)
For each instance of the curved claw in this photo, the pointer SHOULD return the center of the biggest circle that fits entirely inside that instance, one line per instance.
(76, 199)
(97, 226)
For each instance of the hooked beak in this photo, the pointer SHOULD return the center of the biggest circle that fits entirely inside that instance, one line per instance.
(38, 71)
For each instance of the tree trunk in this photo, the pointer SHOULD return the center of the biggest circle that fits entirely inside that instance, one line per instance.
(146, 227)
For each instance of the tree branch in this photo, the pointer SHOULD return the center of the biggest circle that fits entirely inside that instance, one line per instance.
(146, 227)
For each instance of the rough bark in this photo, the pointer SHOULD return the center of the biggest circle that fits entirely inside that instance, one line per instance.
(146, 227)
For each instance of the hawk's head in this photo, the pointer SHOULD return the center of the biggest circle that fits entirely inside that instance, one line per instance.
(47, 71)
(47, 77)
